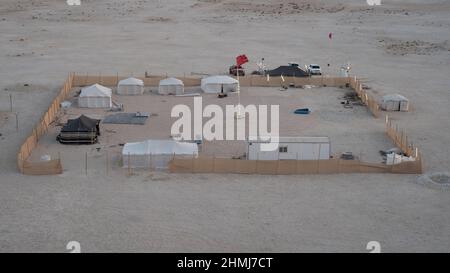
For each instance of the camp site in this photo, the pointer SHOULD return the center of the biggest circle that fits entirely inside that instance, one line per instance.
(224, 126)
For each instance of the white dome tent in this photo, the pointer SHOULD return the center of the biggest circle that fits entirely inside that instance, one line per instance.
(214, 84)
(395, 102)
(155, 153)
(130, 86)
(95, 96)
(171, 86)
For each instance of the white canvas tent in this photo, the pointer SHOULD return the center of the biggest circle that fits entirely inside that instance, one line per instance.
(95, 96)
(130, 86)
(214, 84)
(171, 86)
(395, 102)
(155, 153)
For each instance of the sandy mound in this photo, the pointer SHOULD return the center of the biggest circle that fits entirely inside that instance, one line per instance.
(416, 47)
(154, 19)
(277, 7)
(439, 181)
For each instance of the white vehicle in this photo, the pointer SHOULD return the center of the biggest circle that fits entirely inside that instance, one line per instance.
(314, 69)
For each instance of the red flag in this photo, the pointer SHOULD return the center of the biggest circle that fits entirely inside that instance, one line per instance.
(241, 59)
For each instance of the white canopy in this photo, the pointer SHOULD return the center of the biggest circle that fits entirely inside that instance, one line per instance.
(171, 86)
(131, 81)
(171, 81)
(96, 90)
(130, 86)
(394, 97)
(95, 96)
(160, 147)
(155, 153)
(395, 102)
(214, 84)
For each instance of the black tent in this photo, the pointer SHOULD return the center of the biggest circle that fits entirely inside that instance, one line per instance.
(288, 71)
(80, 130)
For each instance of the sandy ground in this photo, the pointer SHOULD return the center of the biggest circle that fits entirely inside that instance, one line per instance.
(401, 46)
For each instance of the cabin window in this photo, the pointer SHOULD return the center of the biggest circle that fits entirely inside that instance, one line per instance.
(282, 149)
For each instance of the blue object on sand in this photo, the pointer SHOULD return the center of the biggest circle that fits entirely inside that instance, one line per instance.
(302, 111)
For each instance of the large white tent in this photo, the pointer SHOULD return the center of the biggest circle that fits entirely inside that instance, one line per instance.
(155, 153)
(171, 86)
(130, 86)
(214, 84)
(395, 102)
(95, 96)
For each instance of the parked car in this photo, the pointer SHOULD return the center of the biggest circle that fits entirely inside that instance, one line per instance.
(234, 70)
(314, 69)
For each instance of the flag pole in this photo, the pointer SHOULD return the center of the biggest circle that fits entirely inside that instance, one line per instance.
(239, 92)
(238, 115)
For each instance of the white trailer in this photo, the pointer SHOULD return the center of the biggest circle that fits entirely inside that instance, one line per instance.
(295, 148)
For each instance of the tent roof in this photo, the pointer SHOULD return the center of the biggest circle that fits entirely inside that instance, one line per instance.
(159, 147)
(288, 71)
(131, 81)
(81, 124)
(219, 80)
(394, 97)
(171, 81)
(96, 90)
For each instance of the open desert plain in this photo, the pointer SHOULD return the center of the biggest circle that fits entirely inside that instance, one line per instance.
(399, 46)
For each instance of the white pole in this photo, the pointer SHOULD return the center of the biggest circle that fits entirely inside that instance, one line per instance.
(239, 92)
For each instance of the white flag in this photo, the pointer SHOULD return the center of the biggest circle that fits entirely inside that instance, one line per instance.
(282, 78)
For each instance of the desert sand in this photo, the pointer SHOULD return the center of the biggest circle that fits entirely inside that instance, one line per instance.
(401, 46)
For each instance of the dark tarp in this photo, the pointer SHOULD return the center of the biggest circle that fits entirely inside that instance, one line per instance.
(288, 71)
(82, 124)
(82, 130)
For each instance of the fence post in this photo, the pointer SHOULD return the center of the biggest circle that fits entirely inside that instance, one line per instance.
(129, 166)
(59, 159)
(17, 122)
(107, 163)
(192, 165)
(257, 163)
(85, 162)
(151, 161)
(173, 161)
(318, 161)
(278, 164)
